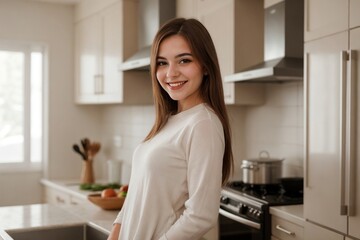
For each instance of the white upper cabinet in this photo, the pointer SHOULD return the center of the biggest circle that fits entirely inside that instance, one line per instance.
(236, 28)
(103, 36)
(88, 58)
(325, 17)
(354, 13)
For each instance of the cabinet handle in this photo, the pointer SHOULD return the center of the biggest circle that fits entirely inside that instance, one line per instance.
(101, 84)
(280, 228)
(351, 133)
(343, 87)
(306, 120)
(98, 84)
(59, 199)
(95, 83)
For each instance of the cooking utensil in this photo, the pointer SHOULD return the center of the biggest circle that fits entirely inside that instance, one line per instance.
(77, 149)
(93, 149)
(262, 170)
(85, 144)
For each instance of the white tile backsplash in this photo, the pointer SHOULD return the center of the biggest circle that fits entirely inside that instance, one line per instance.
(131, 124)
(276, 126)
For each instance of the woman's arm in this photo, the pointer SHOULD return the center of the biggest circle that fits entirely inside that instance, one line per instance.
(115, 231)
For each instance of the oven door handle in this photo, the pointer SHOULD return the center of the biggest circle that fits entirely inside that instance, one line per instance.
(239, 219)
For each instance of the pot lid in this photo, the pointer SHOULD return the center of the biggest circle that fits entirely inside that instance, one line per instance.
(264, 157)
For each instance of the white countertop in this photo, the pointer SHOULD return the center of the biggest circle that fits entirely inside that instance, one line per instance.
(292, 213)
(48, 215)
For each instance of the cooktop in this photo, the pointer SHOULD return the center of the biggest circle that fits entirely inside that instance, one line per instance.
(271, 194)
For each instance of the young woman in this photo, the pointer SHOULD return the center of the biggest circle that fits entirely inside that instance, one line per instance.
(179, 169)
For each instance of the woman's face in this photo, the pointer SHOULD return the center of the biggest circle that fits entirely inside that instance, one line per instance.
(179, 73)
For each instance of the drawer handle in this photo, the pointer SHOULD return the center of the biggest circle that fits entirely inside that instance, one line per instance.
(59, 199)
(280, 228)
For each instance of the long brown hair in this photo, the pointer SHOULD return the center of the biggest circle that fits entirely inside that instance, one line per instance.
(211, 90)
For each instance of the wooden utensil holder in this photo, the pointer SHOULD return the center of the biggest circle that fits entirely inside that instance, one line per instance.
(87, 172)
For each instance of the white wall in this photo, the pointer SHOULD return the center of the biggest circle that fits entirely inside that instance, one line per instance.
(50, 24)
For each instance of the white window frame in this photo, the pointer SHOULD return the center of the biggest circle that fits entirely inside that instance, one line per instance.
(28, 48)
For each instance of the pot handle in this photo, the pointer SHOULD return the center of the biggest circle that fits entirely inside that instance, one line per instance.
(264, 155)
(249, 167)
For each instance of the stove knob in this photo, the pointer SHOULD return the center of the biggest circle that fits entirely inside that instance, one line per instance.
(224, 200)
(243, 209)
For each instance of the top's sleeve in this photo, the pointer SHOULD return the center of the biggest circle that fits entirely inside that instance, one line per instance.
(119, 218)
(205, 156)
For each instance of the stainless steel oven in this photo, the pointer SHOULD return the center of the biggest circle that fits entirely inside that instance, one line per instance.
(244, 210)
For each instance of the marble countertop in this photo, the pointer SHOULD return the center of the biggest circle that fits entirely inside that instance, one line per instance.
(292, 213)
(48, 215)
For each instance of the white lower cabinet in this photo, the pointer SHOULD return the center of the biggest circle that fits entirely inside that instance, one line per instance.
(64, 196)
(282, 229)
(315, 232)
(64, 199)
(56, 197)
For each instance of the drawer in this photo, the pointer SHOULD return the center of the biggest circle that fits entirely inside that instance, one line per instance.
(285, 230)
(56, 197)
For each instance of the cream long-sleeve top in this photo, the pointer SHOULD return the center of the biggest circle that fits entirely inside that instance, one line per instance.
(175, 183)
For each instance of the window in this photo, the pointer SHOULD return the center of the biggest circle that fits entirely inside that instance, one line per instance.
(21, 104)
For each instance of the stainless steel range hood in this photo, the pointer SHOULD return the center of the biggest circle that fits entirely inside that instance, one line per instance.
(152, 14)
(283, 46)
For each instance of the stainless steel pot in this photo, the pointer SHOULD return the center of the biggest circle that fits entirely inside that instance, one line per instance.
(262, 170)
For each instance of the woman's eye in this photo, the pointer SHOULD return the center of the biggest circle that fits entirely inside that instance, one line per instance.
(161, 63)
(185, 60)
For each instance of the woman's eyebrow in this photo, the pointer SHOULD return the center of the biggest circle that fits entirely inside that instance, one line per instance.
(177, 56)
(183, 55)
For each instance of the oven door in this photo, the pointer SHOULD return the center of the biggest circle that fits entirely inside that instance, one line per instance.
(233, 227)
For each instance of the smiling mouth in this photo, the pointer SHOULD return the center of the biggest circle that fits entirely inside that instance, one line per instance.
(176, 84)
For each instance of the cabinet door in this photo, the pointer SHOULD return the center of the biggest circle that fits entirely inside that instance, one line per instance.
(354, 13)
(110, 85)
(322, 126)
(88, 58)
(186, 8)
(314, 232)
(221, 29)
(354, 221)
(57, 198)
(325, 17)
(285, 230)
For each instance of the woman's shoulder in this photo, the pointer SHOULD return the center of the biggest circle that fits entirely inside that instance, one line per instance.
(205, 113)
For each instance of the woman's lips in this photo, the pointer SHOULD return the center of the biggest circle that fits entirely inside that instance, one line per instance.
(176, 85)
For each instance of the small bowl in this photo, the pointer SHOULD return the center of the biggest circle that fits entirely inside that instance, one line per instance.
(110, 203)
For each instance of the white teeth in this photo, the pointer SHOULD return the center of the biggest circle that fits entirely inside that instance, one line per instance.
(176, 84)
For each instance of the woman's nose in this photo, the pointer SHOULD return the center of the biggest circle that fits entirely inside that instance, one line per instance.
(172, 71)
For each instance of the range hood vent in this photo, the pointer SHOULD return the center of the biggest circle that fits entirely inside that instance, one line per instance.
(152, 14)
(283, 46)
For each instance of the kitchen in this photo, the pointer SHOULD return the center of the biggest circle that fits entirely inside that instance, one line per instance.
(272, 120)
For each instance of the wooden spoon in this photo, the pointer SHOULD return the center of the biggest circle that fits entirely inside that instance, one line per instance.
(77, 149)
